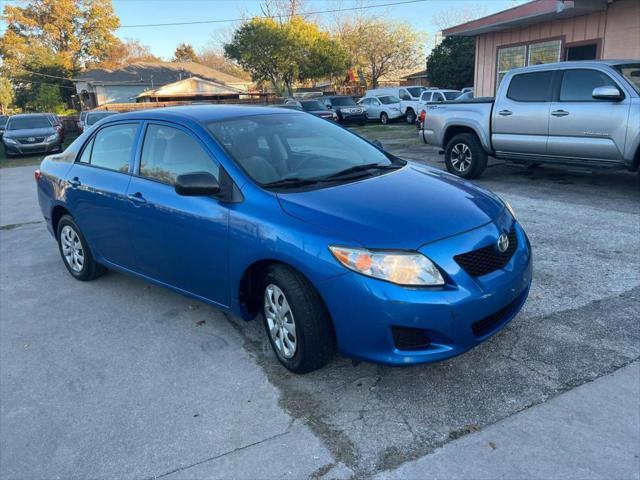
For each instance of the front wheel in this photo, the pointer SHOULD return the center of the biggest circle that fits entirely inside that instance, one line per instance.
(75, 252)
(465, 157)
(296, 321)
(411, 116)
(384, 118)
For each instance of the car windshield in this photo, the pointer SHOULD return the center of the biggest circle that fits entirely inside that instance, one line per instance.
(451, 95)
(310, 105)
(387, 99)
(415, 91)
(342, 101)
(96, 117)
(27, 123)
(290, 150)
(631, 71)
(3, 121)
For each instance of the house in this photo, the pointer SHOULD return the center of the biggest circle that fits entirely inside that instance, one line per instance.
(191, 89)
(416, 78)
(102, 86)
(545, 31)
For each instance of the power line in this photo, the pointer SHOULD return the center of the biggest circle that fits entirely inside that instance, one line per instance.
(45, 75)
(318, 12)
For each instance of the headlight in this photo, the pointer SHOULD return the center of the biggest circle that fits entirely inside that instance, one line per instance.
(10, 141)
(51, 138)
(402, 268)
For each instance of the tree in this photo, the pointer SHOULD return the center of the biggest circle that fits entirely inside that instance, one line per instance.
(6, 94)
(45, 98)
(283, 53)
(184, 53)
(451, 64)
(125, 53)
(381, 47)
(213, 58)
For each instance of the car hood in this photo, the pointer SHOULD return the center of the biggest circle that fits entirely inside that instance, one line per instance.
(31, 132)
(402, 209)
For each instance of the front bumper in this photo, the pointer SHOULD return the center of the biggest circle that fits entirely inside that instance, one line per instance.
(32, 148)
(353, 117)
(454, 318)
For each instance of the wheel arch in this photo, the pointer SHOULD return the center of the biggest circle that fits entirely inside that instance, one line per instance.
(456, 130)
(57, 213)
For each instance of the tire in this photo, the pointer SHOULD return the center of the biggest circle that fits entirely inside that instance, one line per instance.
(384, 118)
(309, 344)
(73, 247)
(465, 157)
(411, 116)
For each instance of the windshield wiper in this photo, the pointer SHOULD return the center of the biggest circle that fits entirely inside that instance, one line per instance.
(361, 168)
(290, 182)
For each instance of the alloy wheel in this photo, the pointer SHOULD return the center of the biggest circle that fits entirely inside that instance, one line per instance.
(72, 248)
(461, 157)
(280, 321)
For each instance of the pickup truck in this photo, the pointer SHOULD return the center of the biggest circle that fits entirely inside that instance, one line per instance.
(584, 114)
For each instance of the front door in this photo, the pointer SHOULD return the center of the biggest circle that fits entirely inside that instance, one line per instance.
(583, 127)
(520, 121)
(180, 241)
(97, 189)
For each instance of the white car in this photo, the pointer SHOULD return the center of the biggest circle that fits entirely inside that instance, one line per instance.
(434, 95)
(408, 95)
(382, 107)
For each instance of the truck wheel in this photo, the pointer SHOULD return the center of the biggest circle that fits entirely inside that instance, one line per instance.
(384, 118)
(411, 116)
(465, 157)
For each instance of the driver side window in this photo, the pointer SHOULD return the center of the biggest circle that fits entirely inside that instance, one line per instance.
(168, 152)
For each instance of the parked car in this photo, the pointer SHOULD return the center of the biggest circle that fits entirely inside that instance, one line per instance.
(273, 212)
(467, 89)
(3, 123)
(408, 99)
(433, 95)
(57, 123)
(346, 109)
(383, 108)
(583, 114)
(464, 96)
(315, 107)
(94, 117)
(81, 119)
(30, 133)
(290, 106)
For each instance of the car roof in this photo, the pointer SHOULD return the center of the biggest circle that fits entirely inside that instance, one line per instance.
(574, 64)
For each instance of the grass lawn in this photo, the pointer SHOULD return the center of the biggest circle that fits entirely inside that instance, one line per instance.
(30, 159)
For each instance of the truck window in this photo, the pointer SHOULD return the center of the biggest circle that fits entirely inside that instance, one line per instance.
(531, 87)
(404, 95)
(577, 85)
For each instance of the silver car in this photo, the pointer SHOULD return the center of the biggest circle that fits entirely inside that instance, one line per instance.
(382, 107)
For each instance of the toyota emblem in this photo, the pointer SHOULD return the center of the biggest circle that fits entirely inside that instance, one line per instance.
(503, 243)
(31, 139)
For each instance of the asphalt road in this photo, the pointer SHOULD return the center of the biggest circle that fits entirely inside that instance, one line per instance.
(120, 379)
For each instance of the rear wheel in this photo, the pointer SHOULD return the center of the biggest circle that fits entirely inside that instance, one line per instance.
(465, 157)
(296, 321)
(411, 116)
(75, 252)
(384, 118)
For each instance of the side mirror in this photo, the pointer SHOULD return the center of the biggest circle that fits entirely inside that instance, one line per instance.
(607, 93)
(378, 144)
(199, 184)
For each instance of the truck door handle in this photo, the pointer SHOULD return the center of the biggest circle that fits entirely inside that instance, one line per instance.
(505, 113)
(559, 113)
(74, 182)
(137, 198)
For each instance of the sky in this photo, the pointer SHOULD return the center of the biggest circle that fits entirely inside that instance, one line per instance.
(163, 39)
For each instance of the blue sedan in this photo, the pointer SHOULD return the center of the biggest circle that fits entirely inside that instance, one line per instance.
(275, 213)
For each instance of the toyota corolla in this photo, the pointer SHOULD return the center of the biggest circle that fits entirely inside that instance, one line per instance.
(264, 212)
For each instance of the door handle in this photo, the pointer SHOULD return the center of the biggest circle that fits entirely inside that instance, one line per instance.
(74, 182)
(505, 113)
(136, 198)
(559, 113)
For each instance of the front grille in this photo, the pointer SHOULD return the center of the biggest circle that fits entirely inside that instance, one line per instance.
(493, 321)
(25, 141)
(407, 338)
(487, 259)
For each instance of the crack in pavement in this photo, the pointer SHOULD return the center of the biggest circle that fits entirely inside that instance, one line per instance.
(13, 226)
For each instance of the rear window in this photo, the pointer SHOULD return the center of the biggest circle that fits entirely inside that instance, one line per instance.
(27, 123)
(531, 87)
(415, 91)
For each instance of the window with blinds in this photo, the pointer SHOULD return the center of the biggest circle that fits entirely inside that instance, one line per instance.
(525, 55)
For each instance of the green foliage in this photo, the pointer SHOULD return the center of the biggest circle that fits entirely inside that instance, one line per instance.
(283, 53)
(45, 98)
(6, 94)
(184, 53)
(451, 63)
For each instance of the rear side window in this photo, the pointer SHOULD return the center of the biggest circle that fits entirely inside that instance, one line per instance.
(111, 147)
(168, 152)
(578, 85)
(531, 87)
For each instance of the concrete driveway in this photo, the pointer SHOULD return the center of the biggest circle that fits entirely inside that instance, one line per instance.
(120, 379)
